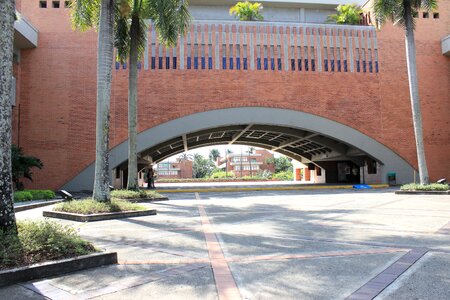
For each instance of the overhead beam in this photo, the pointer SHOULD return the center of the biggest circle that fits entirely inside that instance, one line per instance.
(238, 135)
(293, 141)
(185, 144)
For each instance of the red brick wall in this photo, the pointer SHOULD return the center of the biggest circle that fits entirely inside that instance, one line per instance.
(57, 95)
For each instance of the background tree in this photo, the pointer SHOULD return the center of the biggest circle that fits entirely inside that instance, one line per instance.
(401, 13)
(282, 163)
(346, 14)
(99, 14)
(202, 167)
(247, 11)
(21, 166)
(214, 154)
(170, 18)
(7, 16)
(185, 157)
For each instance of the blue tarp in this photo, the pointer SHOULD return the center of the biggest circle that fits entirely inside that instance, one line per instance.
(362, 186)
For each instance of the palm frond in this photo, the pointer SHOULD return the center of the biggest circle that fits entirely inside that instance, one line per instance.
(84, 14)
(122, 38)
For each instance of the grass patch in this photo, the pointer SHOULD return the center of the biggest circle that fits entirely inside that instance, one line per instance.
(428, 187)
(29, 195)
(137, 194)
(90, 206)
(39, 241)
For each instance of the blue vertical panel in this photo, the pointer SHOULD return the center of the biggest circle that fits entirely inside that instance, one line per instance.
(160, 63)
(279, 64)
(124, 66)
(364, 66)
(238, 63)
(188, 62)
(357, 66)
(299, 62)
(339, 65)
(224, 63)
(332, 65)
(370, 67)
(345, 66)
(293, 64)
(306, 65)
(167, 62)
(245, 63)
(313, 64)
(210, 63)
(203, 61)
(139, 65)
(272, 64)
(258, 63)
(231, 61)
(376, 66)
(117, 65)
(325, 65)
(266, 63)
(174, 63)
(195, 62)
(153, 62)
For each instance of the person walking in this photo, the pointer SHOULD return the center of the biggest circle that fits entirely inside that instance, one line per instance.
(150, 178)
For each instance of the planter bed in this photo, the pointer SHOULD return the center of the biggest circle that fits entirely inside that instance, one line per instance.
(422, 192)
(36, 204)
(98, 217)
(143, 200)
(53, 268)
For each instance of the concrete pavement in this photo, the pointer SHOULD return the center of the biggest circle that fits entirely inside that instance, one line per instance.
(329, 244)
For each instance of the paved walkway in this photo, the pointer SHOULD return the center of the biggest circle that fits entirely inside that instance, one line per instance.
(338, 244)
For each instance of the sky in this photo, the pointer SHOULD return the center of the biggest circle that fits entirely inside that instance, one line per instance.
(222, 148)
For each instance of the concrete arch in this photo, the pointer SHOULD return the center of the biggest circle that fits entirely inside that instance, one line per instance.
(152, 137)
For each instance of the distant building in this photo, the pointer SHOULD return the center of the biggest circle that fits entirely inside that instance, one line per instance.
(240, 164)
(177, 169)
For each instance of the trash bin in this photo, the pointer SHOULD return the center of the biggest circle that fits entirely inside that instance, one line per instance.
(391, 178)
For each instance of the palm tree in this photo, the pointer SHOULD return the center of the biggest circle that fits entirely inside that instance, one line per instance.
(401, 13)
(250, 151)
(171, 19)
(7, 216)
(213, 155)
(100, 13)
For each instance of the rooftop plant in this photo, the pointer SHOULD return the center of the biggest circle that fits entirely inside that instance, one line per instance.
(349, 14)
(247, 11)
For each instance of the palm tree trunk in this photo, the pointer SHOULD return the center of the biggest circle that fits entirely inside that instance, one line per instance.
(414, 94)
(104, 70)
(132, 183)
(7, 216)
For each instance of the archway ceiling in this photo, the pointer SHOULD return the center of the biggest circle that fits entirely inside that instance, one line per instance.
(298, 144)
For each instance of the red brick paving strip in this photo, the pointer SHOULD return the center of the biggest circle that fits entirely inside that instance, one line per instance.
(377, 284)
(225, 284)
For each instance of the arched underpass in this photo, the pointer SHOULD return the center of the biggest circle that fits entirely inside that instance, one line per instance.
(305, 137)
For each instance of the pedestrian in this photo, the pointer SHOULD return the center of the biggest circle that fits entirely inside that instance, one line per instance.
(150, 178)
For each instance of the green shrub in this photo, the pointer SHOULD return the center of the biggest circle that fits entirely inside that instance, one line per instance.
(42, 194)
(21, 196)
(90, 206)
(287, 175)
(222, 174)
(138, 194)
(428, 187)
(39, 241)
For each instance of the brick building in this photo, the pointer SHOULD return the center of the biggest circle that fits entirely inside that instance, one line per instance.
(177, 169)
(241, 164)
(319, 93)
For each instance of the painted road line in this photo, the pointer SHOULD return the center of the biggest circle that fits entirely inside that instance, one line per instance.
(225, 284)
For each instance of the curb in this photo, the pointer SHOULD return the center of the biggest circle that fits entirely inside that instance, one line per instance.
(97, 217)
(35, 205)
(237, 189)
(147, 200)
(422, 192)
(52, 268)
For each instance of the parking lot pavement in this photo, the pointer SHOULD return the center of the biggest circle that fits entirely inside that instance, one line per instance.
(332, 244)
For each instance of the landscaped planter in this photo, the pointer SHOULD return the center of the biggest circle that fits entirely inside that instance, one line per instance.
(36, 205)
(422, 192)
(143, 200)
(97, 217)
(53, 268)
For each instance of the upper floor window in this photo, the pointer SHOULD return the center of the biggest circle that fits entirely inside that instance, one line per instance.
(43, 4)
